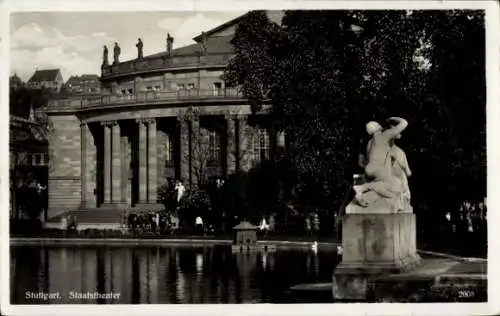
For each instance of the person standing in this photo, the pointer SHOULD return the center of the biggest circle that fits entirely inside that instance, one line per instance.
(315, 223)
(42, 200)
(157, 220)
(308, 225)
(154, 224)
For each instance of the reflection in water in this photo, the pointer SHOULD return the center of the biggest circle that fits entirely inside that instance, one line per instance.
(199, 264)
(163, 275)
(181, 282)
(264, 261)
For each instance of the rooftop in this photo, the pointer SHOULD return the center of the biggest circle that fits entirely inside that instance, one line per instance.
(213, 46)
(75, 80)
(45, 75)
(244, 226)
(24, 130)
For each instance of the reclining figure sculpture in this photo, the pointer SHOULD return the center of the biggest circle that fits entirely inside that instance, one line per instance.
(385, 188)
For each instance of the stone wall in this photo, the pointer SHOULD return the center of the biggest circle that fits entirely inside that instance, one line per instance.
(169, 82)
(64, 186)
(88, 167)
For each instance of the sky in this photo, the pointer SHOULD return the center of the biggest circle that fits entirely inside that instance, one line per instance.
(73, 41)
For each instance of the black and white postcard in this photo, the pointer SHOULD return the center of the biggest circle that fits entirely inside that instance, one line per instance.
(225, 157)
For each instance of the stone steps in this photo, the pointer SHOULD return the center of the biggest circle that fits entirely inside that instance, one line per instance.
(101, 215)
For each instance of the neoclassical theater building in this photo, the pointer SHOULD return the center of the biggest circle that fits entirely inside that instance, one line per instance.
(166, 115)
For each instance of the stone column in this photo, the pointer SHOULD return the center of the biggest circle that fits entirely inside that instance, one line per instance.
(125, 166)
(152, 162)
(231, 150)
(83, 167)
(143, 176)
(107, 162)
(184, 149)
(196, 154)
(245, 143)
(138, 84)
(116, 174)
(88, 164)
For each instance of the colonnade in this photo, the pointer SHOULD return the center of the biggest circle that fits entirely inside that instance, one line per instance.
(120, 141)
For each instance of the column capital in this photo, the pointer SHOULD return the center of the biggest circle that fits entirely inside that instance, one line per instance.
(230, 116)
(146, 120)
(241, 117)
(109, 123)
(186, 118)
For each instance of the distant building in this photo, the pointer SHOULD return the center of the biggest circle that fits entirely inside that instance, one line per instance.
(29, 156)
(15, 82)
(169, 114)
(83, 84)
(47, 78)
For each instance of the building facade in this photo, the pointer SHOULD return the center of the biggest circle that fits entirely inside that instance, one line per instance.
(15, 82)
(165, 115)
(83, 84)
(47, 79)
(29, 160)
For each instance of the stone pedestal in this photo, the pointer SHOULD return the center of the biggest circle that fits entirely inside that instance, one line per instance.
(373, 245)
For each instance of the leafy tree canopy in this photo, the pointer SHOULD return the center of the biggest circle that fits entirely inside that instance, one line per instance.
(326, 73)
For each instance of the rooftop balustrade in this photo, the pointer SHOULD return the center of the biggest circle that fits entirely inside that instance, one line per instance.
(148, 97)
(162, 62)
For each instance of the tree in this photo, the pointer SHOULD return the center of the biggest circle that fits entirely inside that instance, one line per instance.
(326, 73)
(252, 64)
(23, 99)
(453, 137)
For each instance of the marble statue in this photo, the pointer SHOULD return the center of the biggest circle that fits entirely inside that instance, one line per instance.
(116, 53)
(386, 171)
(105, 61)
(139, 46)
(401, 170)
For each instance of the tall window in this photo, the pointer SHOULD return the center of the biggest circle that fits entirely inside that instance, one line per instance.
(217, 88)
(260, 145)
(214, 149)
(190, 86)
(169, 151)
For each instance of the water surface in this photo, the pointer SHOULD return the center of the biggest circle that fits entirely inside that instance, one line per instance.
(161, 275)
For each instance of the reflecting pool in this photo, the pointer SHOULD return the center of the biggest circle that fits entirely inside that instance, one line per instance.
(161, 275)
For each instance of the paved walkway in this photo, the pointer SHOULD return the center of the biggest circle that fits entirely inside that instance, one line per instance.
(195, 240)
(436, 273)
